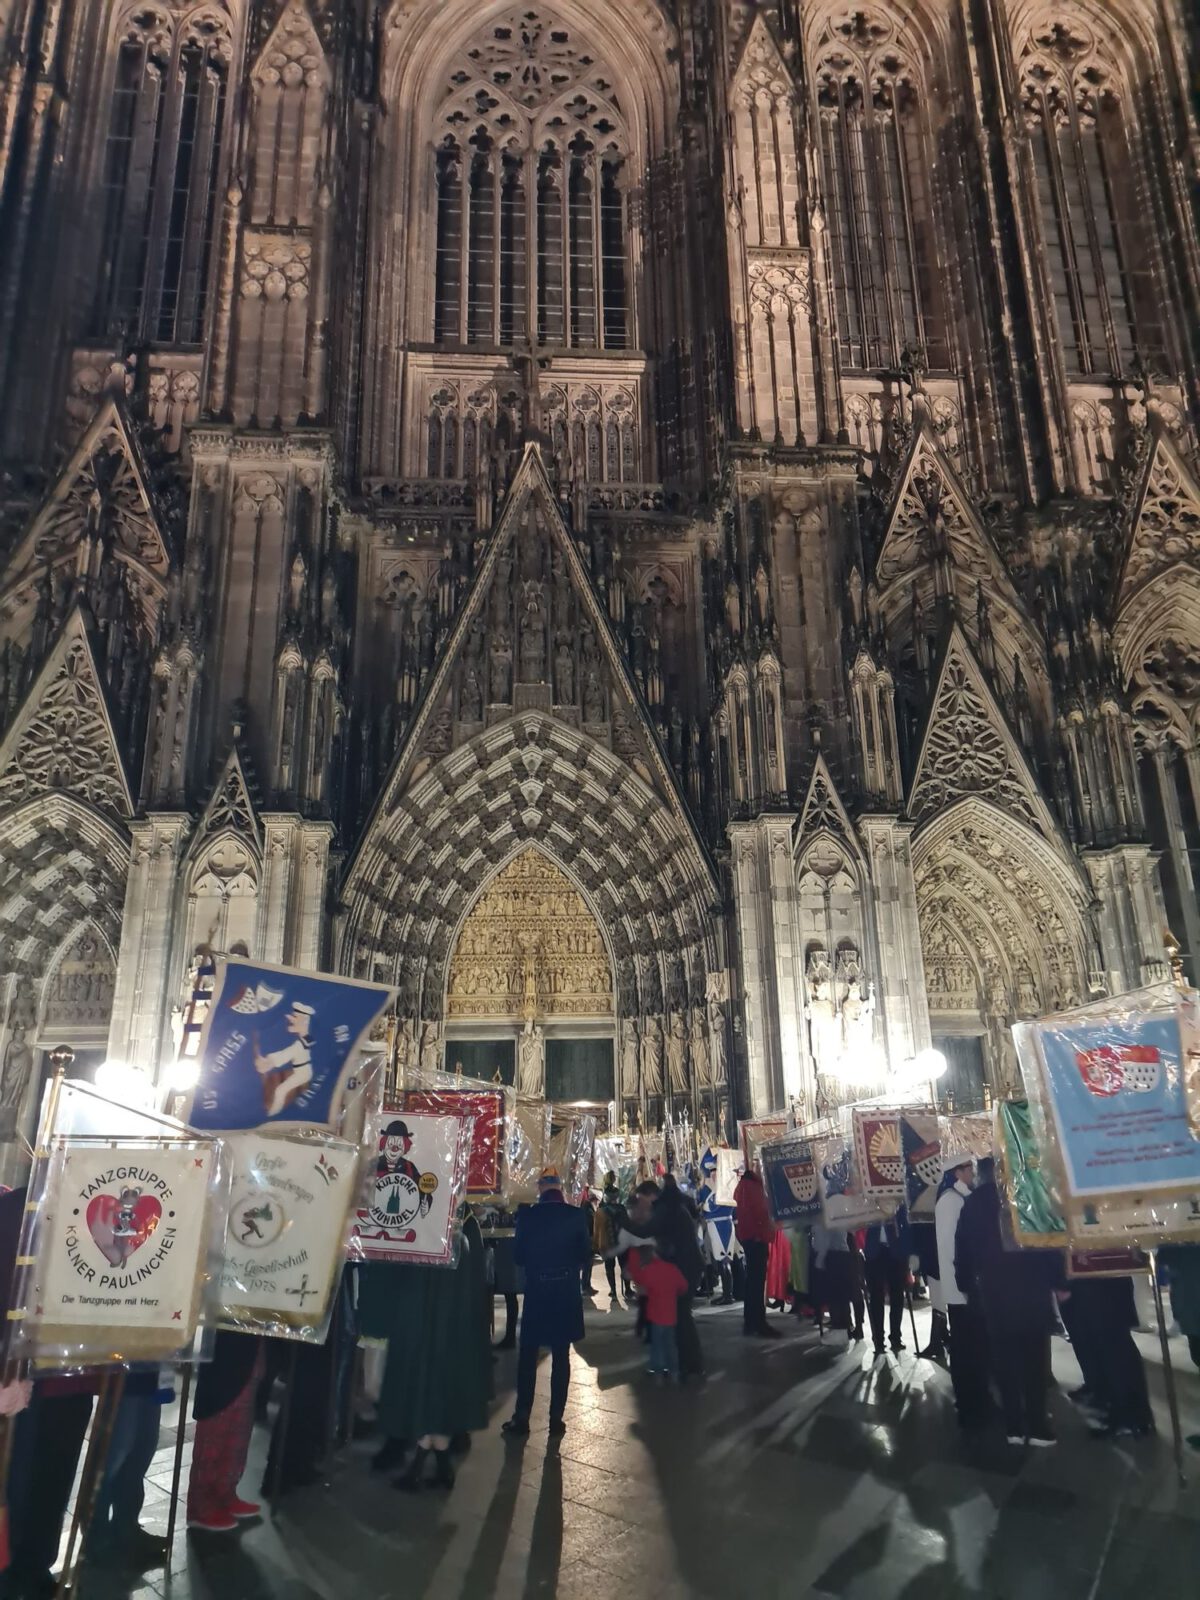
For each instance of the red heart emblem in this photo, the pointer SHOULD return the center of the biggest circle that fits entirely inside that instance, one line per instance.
(121, 1223)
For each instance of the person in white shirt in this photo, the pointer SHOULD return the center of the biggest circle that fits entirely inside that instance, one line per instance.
(968, 1346)
(287, 1073)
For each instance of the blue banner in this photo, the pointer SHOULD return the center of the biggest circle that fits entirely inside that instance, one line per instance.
(1115, 1088)
(279, 1046)
(790, 1180)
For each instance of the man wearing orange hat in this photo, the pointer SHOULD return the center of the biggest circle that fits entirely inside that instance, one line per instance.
(553, 1243)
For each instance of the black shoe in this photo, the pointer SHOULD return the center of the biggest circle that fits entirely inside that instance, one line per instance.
(390, 1455)
(557, 1428)
(898, 1345)
(879, 1350)
(725, 1300)
(509, 1342)
(769, 1333)
(411, 1478)
(1123, 1430)
(460, 1444)
(588, 1290)
(515, 1428)
(141, 1550)
(443, 1471)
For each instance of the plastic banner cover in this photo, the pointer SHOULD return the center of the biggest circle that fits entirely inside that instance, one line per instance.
(418, 1185)
(789, 1175)
(491, 1105)
(879, 1154)
(286, 1235)
(1106, 1091)
(121, 1241)
(921, 1145)
(843, 1203)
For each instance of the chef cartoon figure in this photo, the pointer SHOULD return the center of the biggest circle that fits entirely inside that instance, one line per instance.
(287, 1073)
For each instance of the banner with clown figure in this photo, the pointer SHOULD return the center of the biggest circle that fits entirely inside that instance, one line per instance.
(789, 1176)
(1108, 1080)
(279, 1047)
(421, 1164)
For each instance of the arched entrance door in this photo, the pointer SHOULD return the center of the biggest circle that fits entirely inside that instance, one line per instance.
(529, 991)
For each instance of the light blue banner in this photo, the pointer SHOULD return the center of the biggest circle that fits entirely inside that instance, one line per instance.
(1116, 1095)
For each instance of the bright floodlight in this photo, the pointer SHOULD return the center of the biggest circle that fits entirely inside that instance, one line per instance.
(930, 1064)
(123, 1083)
(183, 1074)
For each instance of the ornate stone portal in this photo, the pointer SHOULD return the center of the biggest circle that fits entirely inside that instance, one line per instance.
(529, 949)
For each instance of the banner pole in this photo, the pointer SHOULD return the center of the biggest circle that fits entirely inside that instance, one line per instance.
(108, 1403)
(912, 1317)
(185, 1392)
(1168, 1369)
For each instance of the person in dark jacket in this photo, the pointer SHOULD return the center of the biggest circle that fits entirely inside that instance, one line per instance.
(1014, 1290)
(675, 1224)
(1100, 1315)
(553, 1242)
(48, 1438)
(886, 1253)
(610, 1219)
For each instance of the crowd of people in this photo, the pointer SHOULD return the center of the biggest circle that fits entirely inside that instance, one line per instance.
(412, 1350)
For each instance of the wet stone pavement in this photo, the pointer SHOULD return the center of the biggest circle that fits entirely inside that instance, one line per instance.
(794, 1472)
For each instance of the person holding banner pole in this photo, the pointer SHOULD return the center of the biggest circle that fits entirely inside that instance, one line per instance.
(968, 1339)
(224, 1413)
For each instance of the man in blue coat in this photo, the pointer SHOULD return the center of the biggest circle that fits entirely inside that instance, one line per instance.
(553, 1243)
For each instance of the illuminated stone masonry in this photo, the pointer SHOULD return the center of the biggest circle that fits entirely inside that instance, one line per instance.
(565, 509)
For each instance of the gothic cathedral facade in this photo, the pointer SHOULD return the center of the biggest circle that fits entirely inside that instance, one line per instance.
(668, 530)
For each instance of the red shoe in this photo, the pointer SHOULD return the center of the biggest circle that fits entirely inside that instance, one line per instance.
(243, 1508)
(212, 1521)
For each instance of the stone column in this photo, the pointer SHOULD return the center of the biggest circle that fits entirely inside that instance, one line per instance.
(752, 909)
(1177, 843)
(1130, 914)
(901, 992)
(275, 899)
(775, 834)
(148, 965)
(307, 946)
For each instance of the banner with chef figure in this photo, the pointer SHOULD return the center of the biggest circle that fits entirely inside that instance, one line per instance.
(421, 1164)
(279, 1047)
(789, 1175)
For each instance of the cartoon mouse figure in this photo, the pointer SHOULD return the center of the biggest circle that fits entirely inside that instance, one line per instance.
(126, 1231)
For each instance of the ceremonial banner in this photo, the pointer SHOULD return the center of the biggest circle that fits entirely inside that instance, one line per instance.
(488, 1107)
(789, 1176)
(754, 1133)
(879, 1155)
(526, 1158)
(121, 1252)
(279, 1046)
(730, 1166)
(285, 1240)
(843, 1203)
(420, 1179)
(1034, 1218)
(1113, 1086)
(920, 1140)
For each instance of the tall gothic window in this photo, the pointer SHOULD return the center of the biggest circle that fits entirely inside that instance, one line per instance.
(1094, 231)
(161, 168)
(883, 257)
(530, 169)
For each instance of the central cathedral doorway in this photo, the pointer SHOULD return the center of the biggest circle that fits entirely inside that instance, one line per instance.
(529, 996)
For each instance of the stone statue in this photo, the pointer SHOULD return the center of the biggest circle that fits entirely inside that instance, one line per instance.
(431, 1047)
(858, 1016)
(652, 1055)
(501, 653)
(733, 609)
(824, 1024)
(533, 634)
(701, 1056)
(531, 1061)
(629, 1059)
(564, 672)
(470, 704)
(677, 1049)
(18, 1063)
(716, 1043)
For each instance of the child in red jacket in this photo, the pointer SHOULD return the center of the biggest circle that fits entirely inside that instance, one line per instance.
(663, 1283)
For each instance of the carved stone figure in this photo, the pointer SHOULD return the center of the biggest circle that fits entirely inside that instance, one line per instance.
(531, 1060)
(431, 1047)
(716, 1043)
(564, 672)
(677, 1048)
(501, 670)
(652, 1055)
(824, 1023)
(629, 1059)
(701, 1054)
(18, 1063)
